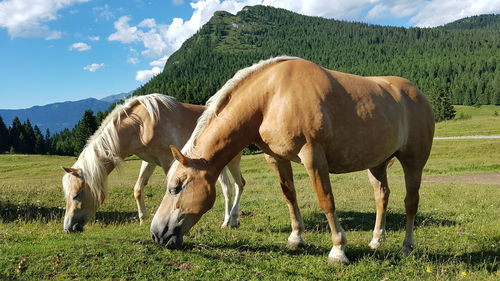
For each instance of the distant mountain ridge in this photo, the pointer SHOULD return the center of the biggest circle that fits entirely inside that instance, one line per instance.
(61, 115)
(490, 21)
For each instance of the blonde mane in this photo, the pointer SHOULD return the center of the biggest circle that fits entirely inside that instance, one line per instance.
(104, 147)
(214, 103)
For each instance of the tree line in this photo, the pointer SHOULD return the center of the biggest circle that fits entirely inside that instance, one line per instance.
(27, 139)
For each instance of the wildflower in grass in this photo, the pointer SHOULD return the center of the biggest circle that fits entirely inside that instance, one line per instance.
(464, 273)
(428, 269)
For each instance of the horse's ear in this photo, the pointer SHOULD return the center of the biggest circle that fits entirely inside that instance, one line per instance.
(73, 171)
(179, 156)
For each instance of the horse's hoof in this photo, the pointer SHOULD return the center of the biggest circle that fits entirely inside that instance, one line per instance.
(338, 260)
(294, 243)
(374, 244)
(337, 256)
(235, 223)
(406, 250)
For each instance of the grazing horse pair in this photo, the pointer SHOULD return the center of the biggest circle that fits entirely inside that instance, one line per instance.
(144, 126)
(294, 110)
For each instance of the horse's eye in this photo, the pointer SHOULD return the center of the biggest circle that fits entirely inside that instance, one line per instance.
(77, 194)
(175, 189)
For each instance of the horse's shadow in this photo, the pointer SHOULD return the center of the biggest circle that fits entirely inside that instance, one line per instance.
(360, 221)
(11, 212)
(356, 253)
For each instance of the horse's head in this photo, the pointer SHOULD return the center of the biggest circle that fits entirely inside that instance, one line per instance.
(190, 194)
(80, 204)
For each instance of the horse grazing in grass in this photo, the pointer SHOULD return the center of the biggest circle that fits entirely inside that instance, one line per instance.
(295, 110)
(144, 126)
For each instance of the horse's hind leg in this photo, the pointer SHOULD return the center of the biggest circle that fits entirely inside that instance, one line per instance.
(239, 184)
(378, 179)
(144, 175)
(413, 178)
(283, 170)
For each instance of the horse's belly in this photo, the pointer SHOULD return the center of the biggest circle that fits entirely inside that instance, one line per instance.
(359, 155)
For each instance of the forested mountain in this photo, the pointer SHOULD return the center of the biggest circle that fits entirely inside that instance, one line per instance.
(463, 56)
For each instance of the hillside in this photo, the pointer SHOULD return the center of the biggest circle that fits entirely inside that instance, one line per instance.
(56, 116)
(464, 55)
(476, 22)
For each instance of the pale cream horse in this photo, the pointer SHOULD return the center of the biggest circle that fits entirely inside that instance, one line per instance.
(294, 110)
(144, 126)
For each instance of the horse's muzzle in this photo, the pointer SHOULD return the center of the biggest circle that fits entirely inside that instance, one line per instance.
(170, 238)
(74, 228)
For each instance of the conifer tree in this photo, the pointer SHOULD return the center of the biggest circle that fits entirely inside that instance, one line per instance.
(4, 137)
(440, 102)
(14, 134)
(85, 128)
(39, 141)
(27, 145)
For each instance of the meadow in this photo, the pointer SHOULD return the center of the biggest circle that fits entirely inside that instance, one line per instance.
(457, 232)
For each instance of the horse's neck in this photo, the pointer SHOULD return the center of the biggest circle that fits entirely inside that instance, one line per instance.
(226, 135)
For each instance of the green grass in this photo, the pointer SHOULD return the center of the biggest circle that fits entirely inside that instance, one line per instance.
(478, 121)
(457, 235)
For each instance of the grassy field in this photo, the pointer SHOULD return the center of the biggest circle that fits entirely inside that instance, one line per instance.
(457, 235)
(483, 120)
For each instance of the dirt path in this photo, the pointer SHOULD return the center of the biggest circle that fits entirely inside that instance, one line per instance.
(480, 178)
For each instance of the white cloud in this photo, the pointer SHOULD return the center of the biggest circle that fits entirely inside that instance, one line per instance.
(159, 62)
(93, 67)
(133, 60)
(151, 23)
(94, 38)
(27, 18)
(104, 12)
(439, 12)
(80, 46)
(124, 32)
(145, 75)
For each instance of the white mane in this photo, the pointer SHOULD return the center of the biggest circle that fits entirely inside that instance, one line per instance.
(214, 103)
(104, 147)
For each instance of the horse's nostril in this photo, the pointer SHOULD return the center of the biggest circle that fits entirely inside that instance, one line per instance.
(77, 227)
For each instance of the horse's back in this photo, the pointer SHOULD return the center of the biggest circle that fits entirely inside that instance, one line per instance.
(359, 121)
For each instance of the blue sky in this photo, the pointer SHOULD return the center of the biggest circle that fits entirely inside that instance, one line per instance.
(59, 50)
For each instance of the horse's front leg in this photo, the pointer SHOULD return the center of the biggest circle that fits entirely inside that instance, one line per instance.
(283, 170)
(315, 162)
(145, 173)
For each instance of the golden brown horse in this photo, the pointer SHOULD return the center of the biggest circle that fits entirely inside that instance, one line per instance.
(294, 110)
(144, 126)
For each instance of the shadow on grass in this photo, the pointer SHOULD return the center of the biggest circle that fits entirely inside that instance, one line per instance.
(11, 212)
(360, 221)
(484, 259)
